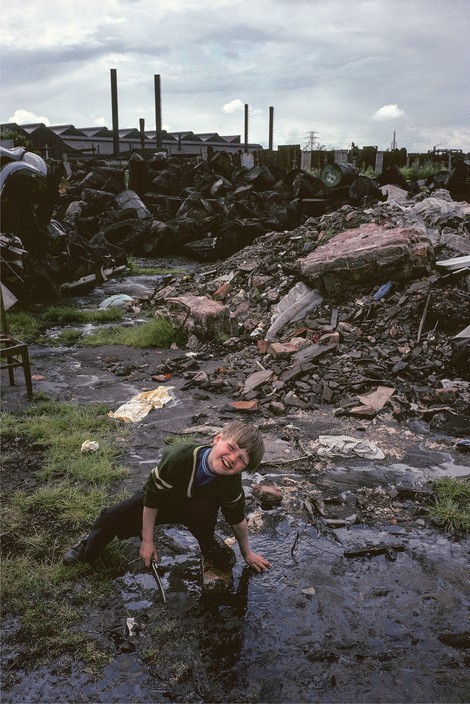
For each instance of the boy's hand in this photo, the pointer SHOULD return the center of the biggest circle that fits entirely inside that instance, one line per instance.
(148, 552)
(257, 562)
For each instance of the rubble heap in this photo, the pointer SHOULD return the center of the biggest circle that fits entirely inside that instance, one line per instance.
(368, 343)
(63, 230)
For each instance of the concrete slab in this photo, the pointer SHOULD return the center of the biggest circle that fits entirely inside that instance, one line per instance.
(370, 253)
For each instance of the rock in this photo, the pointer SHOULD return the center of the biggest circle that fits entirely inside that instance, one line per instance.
(243, 406)
(309, 591)
(277, 408)
(267, 494)
(281, 350)
(368, 253)
(222, 292)
(257, 379)
(214, 579)
(200, 316)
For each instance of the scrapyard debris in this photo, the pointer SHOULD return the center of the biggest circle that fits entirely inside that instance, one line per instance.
(353, 346)
(40, 258)
(206, 210)
(345, 446)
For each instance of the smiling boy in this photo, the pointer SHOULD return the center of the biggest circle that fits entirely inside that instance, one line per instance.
(188, 486)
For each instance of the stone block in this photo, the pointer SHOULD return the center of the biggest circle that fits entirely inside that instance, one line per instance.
(200, 316)
(366, 254)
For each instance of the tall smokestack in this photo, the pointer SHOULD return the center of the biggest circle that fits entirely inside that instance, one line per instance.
(114, 111)
(158, 111)
(246, 127)
(142, 132)
(271, 128)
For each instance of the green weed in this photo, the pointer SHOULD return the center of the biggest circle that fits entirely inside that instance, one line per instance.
(452, 506)
(135, 269)
(69, 315)
(23, 325)
(157, 333)
(421, 171)
(66, 337)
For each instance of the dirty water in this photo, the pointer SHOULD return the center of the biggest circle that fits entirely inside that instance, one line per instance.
(318, 627)
(371, 630)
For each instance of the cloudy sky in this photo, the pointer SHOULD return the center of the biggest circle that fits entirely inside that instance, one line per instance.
(345, 70)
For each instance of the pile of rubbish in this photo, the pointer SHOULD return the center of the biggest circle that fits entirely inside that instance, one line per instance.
(388, 327)
(64, 230)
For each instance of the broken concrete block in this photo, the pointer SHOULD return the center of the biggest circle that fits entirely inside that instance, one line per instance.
(244, 406)
(257, 379)
(200, 315)
(368, 253)
(222, 292)
(281, 350)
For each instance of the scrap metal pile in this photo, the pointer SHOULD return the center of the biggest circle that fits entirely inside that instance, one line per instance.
(65, 231)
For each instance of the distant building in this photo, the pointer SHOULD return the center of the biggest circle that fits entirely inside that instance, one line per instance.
(97, 142)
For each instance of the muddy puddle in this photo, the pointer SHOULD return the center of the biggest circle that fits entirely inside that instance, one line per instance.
(318, 627)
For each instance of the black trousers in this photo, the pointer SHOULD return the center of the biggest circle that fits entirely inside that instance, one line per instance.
(124, 520)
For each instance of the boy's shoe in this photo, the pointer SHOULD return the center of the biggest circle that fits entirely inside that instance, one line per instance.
(75, 553)
(219, 554)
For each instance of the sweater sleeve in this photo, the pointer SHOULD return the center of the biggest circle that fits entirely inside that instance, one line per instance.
(233, 509)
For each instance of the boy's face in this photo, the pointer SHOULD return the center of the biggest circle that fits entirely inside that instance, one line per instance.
(226, 457)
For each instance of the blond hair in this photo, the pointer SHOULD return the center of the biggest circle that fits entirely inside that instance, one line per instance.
(248, 437)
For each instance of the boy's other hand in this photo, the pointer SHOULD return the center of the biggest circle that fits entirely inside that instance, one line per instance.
(257, 562)
(148, 552)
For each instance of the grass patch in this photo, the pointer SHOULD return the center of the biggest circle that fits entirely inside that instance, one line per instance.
(156, 333)
(28, 326)
(44, 512)
(24, 325)
(451, 509)
(134, 269)
(68, 315)
(67, 338)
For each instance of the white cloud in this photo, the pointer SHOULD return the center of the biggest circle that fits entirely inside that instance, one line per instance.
(323, 66)
(233, 106)
(388, 112)
(25, 117)
(100, 122)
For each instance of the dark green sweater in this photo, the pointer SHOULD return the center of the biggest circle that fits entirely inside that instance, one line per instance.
(170, 483)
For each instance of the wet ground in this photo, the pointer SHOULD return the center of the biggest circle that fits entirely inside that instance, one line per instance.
(321, 625)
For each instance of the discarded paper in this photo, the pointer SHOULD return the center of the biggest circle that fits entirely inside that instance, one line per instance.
(90, 446)
(345, 446)
(139, 406)
(378, 398)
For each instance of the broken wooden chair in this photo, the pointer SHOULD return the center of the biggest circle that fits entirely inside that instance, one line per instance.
(13, 353)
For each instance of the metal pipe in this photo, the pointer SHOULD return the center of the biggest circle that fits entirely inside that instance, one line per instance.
(142, 132)
(158, 111)
(114, 110)
(246, 127)
(271, 128)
